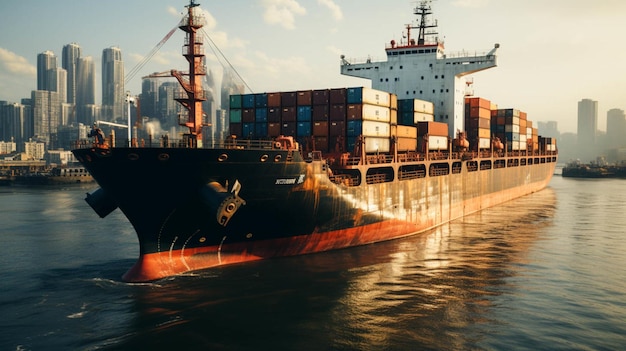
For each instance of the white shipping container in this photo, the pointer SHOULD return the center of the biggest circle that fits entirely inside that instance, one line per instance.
(423, 106)
(376, 129)
(484, 143)
(436, 142)
(529, 132)
(522, 145)
(375, 113)
(423, 117)
(514, 128)
(376, 97)
(376, 144)
(514, 145)
(522, 138)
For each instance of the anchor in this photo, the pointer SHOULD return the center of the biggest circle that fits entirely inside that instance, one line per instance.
(225, 203)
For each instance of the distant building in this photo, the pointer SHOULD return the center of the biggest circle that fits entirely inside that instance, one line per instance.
(587, 129)
(69, 61)
(113, 93)
(86, 91)
(615, 128)
(7, 147)
(34, 150)
(46, 71)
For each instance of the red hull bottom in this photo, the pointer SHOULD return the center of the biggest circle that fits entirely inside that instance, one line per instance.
(159, 265)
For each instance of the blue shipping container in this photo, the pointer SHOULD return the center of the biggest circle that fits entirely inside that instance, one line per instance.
(260, 130)
(355, 95)
(304, 114)
(303, 129)
(354, 128)
(260, 100)
(260, 115)
(234, 116)
(235, 101)
(247, 101)
(247, 130)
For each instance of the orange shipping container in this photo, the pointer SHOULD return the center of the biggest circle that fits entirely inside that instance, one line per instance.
(432, 128)
(478, 102)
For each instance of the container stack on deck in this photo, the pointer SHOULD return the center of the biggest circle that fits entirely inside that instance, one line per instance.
(332, 120)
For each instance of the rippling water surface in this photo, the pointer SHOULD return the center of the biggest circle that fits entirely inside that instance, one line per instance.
(543, 272)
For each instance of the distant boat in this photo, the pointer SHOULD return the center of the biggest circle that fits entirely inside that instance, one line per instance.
(53, 176)
(577, 169)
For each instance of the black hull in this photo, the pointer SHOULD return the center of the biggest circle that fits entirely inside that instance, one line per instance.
(281, 204)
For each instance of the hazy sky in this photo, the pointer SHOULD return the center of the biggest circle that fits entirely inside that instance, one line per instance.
(552, 53)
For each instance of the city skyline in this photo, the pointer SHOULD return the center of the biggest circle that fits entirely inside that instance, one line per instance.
(539, 63)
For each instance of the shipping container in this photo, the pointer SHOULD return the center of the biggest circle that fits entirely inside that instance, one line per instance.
(337, 128)
(321, 143)
(320, 112)
(305, 97)
(234, 116)
(288, 99)
(273, 129)
(235, 129)
(337, 112)
(304, 114)
(288, 128)
(376, 145)
(404, 131)
(260, 115)
(273, 99)
(303, 129)
(320, 128)
(288, 114)
(435, 142)
(273, 115)
(260, 130)
(368, 112)
(363, 95)
(337, 144)
(235, 101)
(478, 102)
(406, 144)
(247, 101)
(416, 105)
(475, 123)
(432, 128)
(338, 96)
(247, 115)
(247, 130)
(322, 97)
(484, 143)
(376, 129)
(260, 100)
(478, 112)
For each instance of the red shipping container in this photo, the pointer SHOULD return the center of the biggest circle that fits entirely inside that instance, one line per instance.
(320, 128)
(305, 97)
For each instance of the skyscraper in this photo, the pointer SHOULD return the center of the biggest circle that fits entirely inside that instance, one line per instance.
(70, 55)
(85, 81)
(113, 94)
(46, 71)
(587, 128)
(615, 128)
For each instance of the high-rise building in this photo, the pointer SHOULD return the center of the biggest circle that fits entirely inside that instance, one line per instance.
(113, 94)
(587, 128)
(46, 114)
(85, 89)
(615, 128)
(14, 123)
(46, 71)
(69, 57)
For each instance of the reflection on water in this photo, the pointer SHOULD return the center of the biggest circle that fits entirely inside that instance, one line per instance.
(396, 295)
(541, 272)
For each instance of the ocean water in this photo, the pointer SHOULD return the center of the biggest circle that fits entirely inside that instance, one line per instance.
(544, 272)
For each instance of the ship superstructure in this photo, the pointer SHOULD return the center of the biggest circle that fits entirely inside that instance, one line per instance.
(419, 68)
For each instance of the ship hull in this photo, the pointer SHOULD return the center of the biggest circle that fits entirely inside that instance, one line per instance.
(281, 204)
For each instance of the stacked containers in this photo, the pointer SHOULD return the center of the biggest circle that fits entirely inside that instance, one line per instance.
(478, 123)
(329, 120)
(505, 124)
(432, 136)
(411, 111)
(547, 144)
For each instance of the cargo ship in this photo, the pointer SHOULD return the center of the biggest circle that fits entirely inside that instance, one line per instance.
(315, 170)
